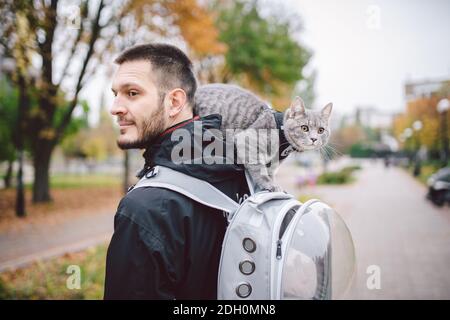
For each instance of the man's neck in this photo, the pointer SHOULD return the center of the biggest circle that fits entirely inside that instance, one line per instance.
(148, 154)
(179, 119)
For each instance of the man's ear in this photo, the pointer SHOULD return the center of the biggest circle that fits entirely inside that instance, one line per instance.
(175, 101)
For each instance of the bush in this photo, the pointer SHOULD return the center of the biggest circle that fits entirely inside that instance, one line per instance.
(340, 177)
(358, 150)
(350, 169)
(334, 178)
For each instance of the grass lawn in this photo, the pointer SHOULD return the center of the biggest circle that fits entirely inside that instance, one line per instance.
(427, 169)
(48, 280)
(85, 181)
(82, 181)
(305, 197)
(426, 172)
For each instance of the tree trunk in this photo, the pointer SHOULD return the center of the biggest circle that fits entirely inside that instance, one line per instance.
(20, 192)
(24, 103)
(41, 163)
(8, 175)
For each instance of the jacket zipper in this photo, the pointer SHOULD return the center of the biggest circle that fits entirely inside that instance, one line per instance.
(279, 243)
(277, 246)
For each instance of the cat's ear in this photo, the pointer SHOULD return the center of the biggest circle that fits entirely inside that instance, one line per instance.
(326, 111)
(297, 107)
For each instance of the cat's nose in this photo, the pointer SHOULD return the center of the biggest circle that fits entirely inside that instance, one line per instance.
(314, 139)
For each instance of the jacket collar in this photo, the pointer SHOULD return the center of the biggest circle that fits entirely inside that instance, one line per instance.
(163, 144)
(159, 152)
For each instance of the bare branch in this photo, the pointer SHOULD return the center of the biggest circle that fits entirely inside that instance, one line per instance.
(46, 47)
(84, 12)
(96, 28)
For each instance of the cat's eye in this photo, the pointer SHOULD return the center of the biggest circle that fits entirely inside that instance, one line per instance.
(305, 128)
(321, 130)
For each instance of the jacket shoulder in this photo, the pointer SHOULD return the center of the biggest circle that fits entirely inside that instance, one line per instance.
(150, 206)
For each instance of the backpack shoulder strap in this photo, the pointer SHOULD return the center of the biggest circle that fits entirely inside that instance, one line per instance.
(194, 188)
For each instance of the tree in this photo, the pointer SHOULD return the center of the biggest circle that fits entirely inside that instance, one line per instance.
(425, 110)
(38, 34)
(262, 53)
(347, 136)
(92, 144)
(15, 102)
(71, 143)
(8, 123)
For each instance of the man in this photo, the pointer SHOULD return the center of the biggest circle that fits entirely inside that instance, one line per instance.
(165, 245)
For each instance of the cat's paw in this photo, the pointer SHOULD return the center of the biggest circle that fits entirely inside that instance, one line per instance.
(277, 189)
(273, 189)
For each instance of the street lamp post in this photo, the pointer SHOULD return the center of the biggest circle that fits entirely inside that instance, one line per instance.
(442, 107)
(417, 126)
(407, 133)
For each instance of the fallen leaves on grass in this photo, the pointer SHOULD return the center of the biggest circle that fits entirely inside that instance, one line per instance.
(48, 280)
(66, 203)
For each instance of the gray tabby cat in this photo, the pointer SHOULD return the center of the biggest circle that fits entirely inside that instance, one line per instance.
(240, 109)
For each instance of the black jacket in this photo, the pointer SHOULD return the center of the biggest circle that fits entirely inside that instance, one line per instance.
(165, 245)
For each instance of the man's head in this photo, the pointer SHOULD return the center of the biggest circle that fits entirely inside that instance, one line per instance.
(154, 88)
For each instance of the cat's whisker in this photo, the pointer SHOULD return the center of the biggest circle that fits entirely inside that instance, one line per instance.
(328, 152)
(329, 149)
(333, 151)
(335, 143)
(324, 153)
(334, 147)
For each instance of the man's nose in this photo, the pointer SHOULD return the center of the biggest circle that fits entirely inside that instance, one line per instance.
(118, 108)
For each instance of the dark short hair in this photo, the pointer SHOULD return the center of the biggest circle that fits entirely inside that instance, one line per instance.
(172, 67)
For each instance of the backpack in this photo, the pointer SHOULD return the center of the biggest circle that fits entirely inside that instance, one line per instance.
(275, 247)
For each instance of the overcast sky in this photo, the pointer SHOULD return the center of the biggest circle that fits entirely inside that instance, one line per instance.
(364, 50)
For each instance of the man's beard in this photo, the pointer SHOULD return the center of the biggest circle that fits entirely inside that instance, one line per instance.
(148, 129)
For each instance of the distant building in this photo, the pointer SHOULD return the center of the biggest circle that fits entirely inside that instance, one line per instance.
(369, 117)
(423, 89)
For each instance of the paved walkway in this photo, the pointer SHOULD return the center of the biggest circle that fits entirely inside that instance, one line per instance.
(394, 228)
(44, 241)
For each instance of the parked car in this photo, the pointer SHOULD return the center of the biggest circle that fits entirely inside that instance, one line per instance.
(439, 187)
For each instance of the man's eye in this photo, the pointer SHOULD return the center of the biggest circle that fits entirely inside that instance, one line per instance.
(305, 128)
(321, 130)
(132, 93)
